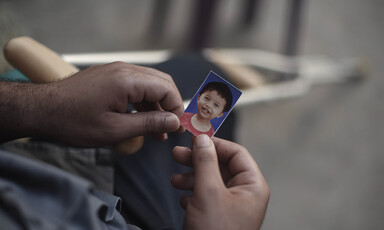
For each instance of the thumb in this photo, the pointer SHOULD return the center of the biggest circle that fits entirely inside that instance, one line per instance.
(206, 166)
(141, 123)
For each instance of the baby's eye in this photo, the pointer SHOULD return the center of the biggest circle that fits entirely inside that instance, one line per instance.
(206, 98)
(216, 105)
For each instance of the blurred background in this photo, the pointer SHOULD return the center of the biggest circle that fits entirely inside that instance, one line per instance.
(322, 153)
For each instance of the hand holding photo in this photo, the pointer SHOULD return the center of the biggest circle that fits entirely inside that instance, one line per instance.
(211, 104)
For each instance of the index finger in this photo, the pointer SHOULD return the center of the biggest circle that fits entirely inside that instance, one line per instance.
(144, 87)
(152, 71)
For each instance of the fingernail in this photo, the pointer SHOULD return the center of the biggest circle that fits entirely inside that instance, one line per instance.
(202, 140)
(170, 181)
(171, 123)
(181, 129)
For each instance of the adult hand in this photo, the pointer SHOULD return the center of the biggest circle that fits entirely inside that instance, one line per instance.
(229, 191)
(88, 109)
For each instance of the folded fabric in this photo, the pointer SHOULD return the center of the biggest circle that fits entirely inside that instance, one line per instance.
(34, 195)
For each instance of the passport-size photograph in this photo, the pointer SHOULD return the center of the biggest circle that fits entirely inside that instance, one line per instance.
(211, 104)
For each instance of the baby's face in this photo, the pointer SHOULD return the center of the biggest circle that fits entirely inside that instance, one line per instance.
(210, 105)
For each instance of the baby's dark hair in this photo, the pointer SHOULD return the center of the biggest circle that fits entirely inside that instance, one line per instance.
(222, 89)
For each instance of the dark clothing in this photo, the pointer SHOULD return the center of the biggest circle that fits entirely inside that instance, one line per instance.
(34, 195)
(95, 165)
(143, 181)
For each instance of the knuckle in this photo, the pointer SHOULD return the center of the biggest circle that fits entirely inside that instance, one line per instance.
(150, 124)
(165, 79)
(267, 190)
(121, 71)
(111, 130)
(119, 68)
(263, 190)
(168, 77)
(160, 73)
(242, 148)
(171, 88)
(115, 66)
(165, 83)
(122, 76)
(204, 156)
(118, 64)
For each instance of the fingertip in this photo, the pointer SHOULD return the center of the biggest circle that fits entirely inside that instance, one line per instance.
(171, 180)
(174, 178)
(203, 140)
(182, 155)
(174, 152)
(181, 130)
(171, 122)
(181, 150)
(214, 139)
(184, 200)
(176, 149)
(161, 136)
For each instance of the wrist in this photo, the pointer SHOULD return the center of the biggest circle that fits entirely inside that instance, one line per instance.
(25, 110)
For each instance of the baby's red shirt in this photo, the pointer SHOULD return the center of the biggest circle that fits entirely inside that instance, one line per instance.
(186, 122)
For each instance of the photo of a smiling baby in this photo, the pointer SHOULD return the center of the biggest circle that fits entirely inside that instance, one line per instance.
(210, 106)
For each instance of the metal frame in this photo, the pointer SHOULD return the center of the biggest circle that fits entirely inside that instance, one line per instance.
(309, 71)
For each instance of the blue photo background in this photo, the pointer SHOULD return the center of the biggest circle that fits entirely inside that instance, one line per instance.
(216, 122)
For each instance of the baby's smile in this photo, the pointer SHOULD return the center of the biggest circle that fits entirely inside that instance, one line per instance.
(206, 110)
